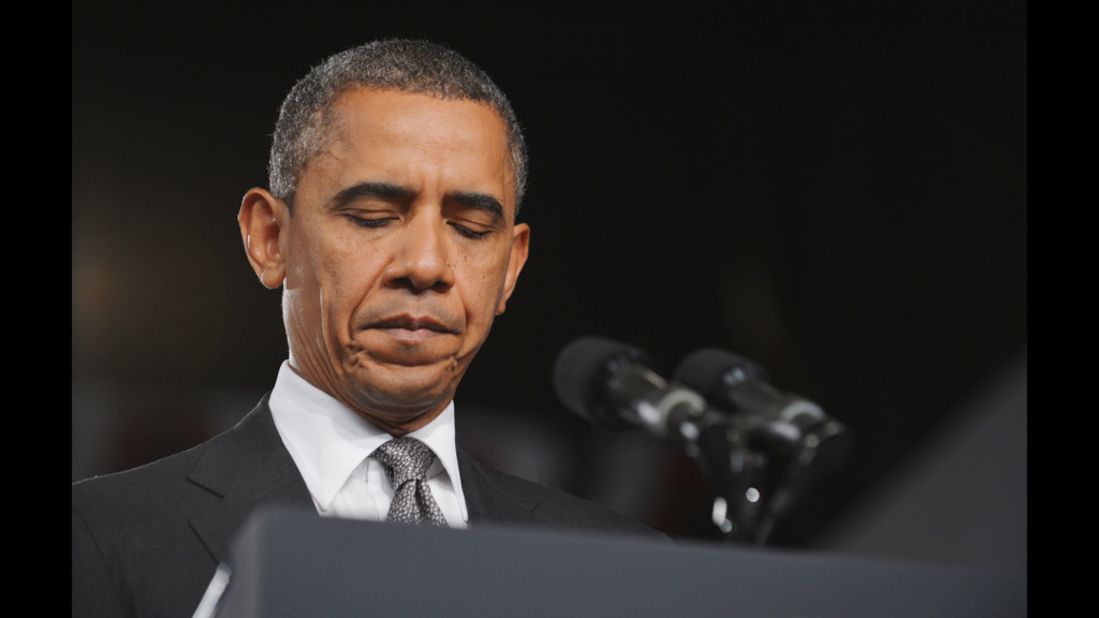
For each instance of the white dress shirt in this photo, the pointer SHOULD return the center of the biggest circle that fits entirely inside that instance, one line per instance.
(331, 445)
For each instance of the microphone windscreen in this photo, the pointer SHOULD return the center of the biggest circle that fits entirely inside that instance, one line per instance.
(712, 371)
(582, 371)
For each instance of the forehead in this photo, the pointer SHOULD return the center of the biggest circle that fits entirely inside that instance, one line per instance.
(416, 140)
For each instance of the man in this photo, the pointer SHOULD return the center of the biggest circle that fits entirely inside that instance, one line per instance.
(396, 173)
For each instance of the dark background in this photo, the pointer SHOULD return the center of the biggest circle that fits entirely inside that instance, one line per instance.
(840, 195)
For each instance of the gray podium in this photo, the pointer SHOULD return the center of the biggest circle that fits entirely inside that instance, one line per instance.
(286, 562)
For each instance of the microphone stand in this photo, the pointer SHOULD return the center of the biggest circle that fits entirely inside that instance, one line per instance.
(738, 475)
(756, 483)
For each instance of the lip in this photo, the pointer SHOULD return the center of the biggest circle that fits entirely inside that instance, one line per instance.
(410, 335)
(406, 326)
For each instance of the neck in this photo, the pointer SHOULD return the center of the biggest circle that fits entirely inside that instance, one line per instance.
(395, 422)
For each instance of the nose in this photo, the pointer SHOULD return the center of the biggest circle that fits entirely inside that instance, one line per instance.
(421, 261)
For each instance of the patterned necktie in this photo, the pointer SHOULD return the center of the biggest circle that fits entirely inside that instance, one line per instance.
(406, 461)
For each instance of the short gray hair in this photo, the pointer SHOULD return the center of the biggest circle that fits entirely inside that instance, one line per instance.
(398, 64)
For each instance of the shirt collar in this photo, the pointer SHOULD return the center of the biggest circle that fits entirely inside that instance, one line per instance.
(328, 440)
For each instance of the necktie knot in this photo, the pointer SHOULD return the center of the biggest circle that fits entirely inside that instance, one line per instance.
(405, 459)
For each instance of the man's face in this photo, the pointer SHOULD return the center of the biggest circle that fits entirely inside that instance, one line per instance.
(401, 249)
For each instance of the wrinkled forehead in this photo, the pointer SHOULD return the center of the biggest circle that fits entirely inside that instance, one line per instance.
(403, 134)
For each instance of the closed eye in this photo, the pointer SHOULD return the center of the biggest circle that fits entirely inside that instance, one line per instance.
(377, 223)
(370, 222)
(468, 233)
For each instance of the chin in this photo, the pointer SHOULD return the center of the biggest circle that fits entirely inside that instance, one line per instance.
(412, 396)
(407, 387)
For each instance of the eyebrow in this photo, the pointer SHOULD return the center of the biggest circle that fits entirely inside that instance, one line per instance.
(482, 201)
(389, 191)
(381, 190)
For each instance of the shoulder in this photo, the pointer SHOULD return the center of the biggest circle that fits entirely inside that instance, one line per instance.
(146, 484)
(565, 511)
(179, 483)
(127, 528)
(158, 484)
(143, 510)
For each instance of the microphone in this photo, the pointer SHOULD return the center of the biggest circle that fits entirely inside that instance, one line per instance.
(612, 385)
(780, 422)
(761, 448)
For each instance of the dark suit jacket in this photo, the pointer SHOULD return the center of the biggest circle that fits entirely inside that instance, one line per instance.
(146, 541)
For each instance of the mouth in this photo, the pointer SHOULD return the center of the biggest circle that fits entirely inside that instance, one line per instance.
(406, 326)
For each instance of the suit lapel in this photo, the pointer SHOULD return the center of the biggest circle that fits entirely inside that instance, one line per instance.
(246, 467)
(488, 502)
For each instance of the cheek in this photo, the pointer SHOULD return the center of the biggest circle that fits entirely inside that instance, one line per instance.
(346, 280)
(482, 286)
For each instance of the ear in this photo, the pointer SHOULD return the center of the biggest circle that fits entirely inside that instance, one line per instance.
(520, 243)
(263, 219)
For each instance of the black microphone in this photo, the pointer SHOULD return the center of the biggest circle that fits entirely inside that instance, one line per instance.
(784, 422)
(612, 385)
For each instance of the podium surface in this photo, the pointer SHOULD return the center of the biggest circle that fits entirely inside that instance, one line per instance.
(287, 562)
